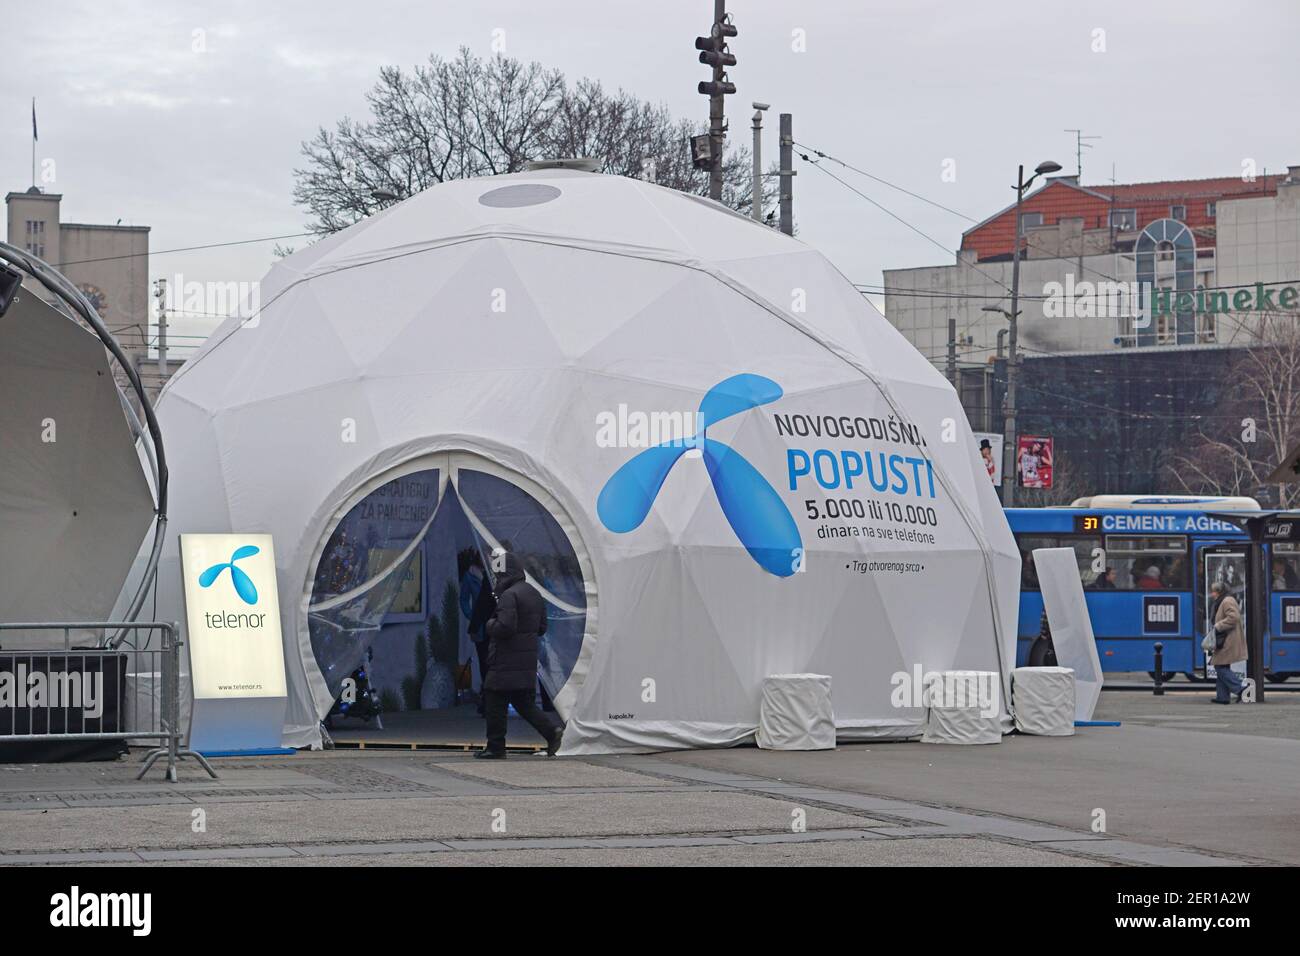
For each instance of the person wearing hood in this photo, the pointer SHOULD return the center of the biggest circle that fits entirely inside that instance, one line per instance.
(513, 633)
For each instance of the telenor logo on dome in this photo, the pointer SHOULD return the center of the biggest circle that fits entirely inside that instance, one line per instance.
(752, 507)
(244, 585)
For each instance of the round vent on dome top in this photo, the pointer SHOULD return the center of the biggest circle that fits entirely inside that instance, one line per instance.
(523, 194)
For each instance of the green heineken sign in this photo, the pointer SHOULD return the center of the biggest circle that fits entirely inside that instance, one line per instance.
(1261, 298)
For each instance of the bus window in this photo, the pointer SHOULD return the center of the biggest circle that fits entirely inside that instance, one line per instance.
(1085, 559)
(1028, 544)
(1083, 556)
(1286, 566)
(1148, 563)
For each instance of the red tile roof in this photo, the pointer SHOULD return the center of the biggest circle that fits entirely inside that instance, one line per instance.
(1062, 199)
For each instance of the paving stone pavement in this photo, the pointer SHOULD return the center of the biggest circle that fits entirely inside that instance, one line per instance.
(364, 807)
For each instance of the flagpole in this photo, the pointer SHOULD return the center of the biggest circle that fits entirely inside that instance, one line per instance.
(33, 142)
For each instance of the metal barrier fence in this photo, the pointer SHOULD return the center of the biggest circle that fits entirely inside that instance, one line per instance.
(114, 686)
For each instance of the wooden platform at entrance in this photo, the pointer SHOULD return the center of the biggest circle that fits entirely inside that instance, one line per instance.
(453, 729)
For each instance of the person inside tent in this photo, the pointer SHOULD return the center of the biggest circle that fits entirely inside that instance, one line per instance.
(513, 631)
(477, 604)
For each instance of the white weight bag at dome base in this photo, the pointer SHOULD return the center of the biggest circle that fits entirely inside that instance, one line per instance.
(796, 713)
(1043, 700)
(960, 716)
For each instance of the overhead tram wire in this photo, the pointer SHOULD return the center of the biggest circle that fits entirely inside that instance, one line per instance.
(1110, 376)
(164, 252)
(936, 294)
(947, 209)
(885, 182)
(817, 165)
(1134, 380)
(928, 238)
(1143, 416)
(862, 287)
(937, 205)
(866, 289)
(1128, 413)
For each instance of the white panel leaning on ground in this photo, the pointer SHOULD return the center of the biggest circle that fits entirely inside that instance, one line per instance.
(1067, 616)
(503, 318)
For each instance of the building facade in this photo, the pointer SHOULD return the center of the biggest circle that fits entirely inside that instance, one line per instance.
(1089, 255)
(1135, 302)
(109, 264)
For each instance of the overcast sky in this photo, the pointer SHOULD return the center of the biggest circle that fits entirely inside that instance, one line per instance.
(201, 145)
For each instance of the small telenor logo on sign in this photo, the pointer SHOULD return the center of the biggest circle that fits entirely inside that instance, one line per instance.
(243, 584)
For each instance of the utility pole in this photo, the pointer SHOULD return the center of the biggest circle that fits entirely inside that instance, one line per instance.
(715, 53)
(787, 175)
(1013, 359)
(160, 293)
(756, 201)
(952, 346)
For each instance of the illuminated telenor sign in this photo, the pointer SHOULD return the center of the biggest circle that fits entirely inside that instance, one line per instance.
(232, 613)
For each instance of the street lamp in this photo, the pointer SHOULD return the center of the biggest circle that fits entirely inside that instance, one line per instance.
(756, 201)
(1009, 431)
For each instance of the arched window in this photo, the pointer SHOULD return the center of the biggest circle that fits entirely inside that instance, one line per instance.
(1165, 255)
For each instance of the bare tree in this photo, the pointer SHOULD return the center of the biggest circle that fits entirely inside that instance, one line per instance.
(467, 116)
(1260, 421)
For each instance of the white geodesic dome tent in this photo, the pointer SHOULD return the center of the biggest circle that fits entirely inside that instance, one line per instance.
(716, 460)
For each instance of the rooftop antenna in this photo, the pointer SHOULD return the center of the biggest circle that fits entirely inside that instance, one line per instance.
(1110, 213)
(1079, 147)
(34, 139)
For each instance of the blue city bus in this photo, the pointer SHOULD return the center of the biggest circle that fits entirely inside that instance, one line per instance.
(1146, 564)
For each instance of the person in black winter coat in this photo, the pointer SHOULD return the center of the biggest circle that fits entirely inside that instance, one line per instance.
(513, 632)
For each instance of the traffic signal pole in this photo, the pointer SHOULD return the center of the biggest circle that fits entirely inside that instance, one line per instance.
(717, 129)
(714, 52)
